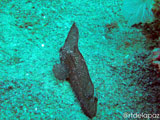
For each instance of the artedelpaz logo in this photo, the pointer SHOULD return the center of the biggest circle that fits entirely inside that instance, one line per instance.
(140, 115)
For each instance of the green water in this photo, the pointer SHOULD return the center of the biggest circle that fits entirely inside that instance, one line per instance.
(31, 34)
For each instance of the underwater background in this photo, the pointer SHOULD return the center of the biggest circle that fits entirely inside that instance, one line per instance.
(121, 49)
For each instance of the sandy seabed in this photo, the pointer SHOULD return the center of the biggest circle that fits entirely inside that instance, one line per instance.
(31, 34)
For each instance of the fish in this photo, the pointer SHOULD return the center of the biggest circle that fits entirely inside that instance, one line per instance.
(73, 68)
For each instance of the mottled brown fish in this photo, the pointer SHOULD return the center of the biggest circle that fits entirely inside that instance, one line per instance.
(74, 69)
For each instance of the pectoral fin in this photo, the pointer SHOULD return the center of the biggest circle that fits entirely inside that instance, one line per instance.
(60, 71)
